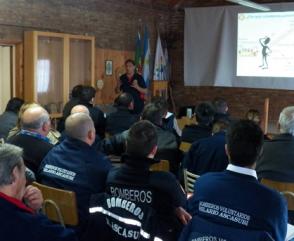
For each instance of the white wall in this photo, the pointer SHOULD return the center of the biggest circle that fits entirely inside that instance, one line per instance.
(5, 76)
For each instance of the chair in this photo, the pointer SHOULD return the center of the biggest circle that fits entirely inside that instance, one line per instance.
(189, 180)
(115, 160)
(285, 188)
(185, 146)
(59, 205)
(185, 121)
(163, 165)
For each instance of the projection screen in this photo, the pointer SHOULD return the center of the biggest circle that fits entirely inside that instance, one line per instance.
(234, 46)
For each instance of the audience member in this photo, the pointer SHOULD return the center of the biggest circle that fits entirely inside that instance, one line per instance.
(35, 126)
(74, 99)
(169, 121)
(87, 97)
(82, 169)
(208, 154)
(9, 117)
(276, 160)
(165, 194)
(53, 134)
(235, 198)
(19, 205)
(204, 113)
(80, 109)
(221, 109)
(123, 118)
(254, 116)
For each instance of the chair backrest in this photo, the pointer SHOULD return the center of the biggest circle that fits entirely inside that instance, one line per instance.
(189, 180)
(59, 205)
(285, 188)
(163, 165)
(185, 146)
(185, 121)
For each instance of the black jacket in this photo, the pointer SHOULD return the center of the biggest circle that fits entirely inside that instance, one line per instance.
(34, 149)
(120, 120)
(98, 118)
(192, 133)
(166, 193)
(277, 160)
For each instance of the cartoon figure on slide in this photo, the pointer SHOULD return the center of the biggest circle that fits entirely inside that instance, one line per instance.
(265, 51)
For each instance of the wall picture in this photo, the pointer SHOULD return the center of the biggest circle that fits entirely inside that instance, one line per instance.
(108, 67)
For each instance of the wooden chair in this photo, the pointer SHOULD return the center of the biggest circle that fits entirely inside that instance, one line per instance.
(185, 146)
(189, 180)
(285, 188)
(163, 165)
(59, 205)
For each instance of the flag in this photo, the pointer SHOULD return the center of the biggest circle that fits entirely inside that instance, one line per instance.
(138, 54)
(159, 64)
(167, 64)
(146, 56)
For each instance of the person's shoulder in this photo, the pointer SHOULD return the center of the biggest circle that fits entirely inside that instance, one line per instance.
(162, 176)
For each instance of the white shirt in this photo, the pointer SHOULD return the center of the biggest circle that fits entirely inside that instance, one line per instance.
(242, 170)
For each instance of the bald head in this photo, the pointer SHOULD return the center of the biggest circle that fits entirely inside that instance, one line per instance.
(80, 109)
(35, 118)
(80, 126)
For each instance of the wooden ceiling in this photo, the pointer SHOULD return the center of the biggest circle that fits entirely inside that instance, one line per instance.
(179, 4)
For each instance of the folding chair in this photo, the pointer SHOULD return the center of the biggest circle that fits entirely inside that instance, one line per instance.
(189, 180)
(59, 205)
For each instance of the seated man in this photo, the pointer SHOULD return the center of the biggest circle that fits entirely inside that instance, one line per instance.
(204, 117)
(123, 118)
(74, 99)
(276, 162)
(35, 126)
(167, 142)
(234, 198)
(165, 194)
(208, 154)
(87, 97)
(169, 121)
(19, 221)
(82, 169)
(9, 117)
(221, 109)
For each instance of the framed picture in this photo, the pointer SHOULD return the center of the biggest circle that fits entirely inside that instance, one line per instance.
(108, 67)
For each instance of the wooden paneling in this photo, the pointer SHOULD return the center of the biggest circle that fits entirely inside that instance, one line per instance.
(19, 70)
(108, 94)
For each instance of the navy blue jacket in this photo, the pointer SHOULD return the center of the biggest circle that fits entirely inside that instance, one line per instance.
(19, 224)
(82, 169)
(207, 155)
(120, 120)
(192, 133)
(200, 229)
(240, 201)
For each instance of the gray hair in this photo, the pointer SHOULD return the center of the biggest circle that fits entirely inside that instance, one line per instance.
(36, 124)
(10, 157)
(286, 121)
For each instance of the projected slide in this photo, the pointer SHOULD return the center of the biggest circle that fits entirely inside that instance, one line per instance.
(266, 44)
